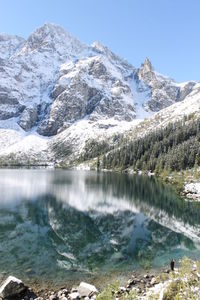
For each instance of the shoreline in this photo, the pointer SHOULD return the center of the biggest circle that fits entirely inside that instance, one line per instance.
(181, 282)
(124, 281)
(99, 281)
(189, 191)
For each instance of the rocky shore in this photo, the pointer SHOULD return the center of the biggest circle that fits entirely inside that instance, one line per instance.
(192, 191)
(182, 283)
(14, 289)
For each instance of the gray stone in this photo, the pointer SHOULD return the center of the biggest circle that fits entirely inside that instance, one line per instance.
(53, 297)
(28, 118)
(9, 105)
(86, 290)
(153, 281)
(74, 296)
(11, 287)
(77, 98)
(122, 289)
(62, 293)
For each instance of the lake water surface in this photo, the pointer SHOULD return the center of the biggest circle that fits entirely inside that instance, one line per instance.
(58, 225)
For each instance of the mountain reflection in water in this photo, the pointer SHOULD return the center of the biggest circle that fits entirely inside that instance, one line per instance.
(72, 223)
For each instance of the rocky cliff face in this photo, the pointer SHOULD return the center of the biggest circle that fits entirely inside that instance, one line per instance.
(163, 90)
(9, 44)
(51, 82)
(91, 87)
(29, 71)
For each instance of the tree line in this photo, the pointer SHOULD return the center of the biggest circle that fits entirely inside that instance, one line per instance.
(175, 147)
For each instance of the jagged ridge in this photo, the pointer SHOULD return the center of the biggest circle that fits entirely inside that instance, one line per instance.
(53, 84)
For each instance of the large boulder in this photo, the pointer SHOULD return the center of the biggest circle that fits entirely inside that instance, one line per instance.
(11, 288)
(86, 289)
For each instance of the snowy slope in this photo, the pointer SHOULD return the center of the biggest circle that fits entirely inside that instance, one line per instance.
(66, 147)
(55, 90)
(72, 141)
(9, 44)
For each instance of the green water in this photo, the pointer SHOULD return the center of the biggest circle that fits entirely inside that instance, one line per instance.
(60, 225)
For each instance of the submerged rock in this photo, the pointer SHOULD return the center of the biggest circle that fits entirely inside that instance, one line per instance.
(11, 287)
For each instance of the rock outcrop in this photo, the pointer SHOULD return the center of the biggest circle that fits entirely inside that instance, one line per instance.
(164, 91)
(28, 118)
(9, 105)
(89, 88)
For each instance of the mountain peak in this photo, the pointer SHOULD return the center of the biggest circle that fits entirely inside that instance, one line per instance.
(147, 65)
(146, 71)
(55, 38)
(46, 32)
(100, 47)
(51, 28)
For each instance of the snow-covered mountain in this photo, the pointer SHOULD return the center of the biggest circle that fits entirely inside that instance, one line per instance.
(55, 90)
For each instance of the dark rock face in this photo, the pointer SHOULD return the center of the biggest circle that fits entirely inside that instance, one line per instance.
(164, 91)
(12, 287)
(93, 93)
(70, 105)
(186, 90)
(29, 70)
(9, 106)
(28, 118)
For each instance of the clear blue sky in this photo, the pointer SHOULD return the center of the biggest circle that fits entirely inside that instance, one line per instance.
(166, 31)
